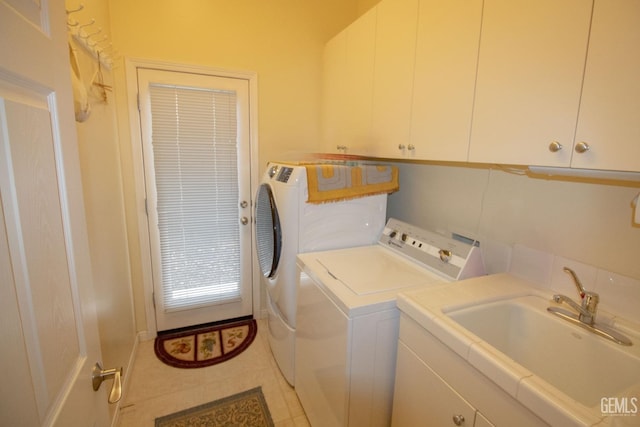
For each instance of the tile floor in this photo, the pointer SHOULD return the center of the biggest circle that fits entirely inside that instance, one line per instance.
(156, 389)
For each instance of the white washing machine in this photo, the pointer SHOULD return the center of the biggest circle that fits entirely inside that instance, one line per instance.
(287, 225)
(348, 322)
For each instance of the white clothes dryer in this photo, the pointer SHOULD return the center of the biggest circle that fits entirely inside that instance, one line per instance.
(348, 322)
(287, 225)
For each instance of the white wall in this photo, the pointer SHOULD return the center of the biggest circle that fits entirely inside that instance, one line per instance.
(586, 220)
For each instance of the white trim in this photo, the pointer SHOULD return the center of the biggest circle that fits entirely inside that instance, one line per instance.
(131, 66)
(126, 379)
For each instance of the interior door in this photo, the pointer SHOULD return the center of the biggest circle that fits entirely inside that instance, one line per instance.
(196, 149)
(49, 327)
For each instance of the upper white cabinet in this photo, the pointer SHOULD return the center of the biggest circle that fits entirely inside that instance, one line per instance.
(609, 119)
(529, 79)
(445, 71)
(334, 80)
(393, 77)
(541, 83)
(348, 87)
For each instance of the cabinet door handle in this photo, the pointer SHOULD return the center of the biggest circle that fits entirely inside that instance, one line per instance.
(582, 147)
(458, 419)
(401, 147)
(555, 146)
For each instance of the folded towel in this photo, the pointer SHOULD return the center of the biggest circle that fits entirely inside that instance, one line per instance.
(329, 183)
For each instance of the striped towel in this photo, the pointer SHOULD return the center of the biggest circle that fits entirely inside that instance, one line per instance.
(330, 183)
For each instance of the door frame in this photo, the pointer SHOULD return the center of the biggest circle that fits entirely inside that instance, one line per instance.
(131, 69)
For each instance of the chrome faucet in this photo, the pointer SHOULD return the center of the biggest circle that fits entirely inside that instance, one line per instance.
(586, 310)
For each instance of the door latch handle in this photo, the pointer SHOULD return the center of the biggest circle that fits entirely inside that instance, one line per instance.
(98, 375)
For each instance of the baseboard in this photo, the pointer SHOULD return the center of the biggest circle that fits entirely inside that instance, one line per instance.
(147, 336)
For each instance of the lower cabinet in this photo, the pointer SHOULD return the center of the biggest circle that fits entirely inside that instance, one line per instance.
(423, 398)
(436, 387)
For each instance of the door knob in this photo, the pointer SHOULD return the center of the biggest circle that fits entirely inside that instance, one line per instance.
(98, 375)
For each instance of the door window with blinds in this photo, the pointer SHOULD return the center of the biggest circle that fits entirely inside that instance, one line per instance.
(196, 153)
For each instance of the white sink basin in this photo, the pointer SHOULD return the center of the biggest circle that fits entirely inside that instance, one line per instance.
(579, 363)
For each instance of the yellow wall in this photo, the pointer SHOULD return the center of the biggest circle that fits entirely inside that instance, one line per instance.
(281, 40)
(364, 5)
(104, 198)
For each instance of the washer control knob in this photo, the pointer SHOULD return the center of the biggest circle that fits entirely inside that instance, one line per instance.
(445, 255)
(404, 237)
(393, 234)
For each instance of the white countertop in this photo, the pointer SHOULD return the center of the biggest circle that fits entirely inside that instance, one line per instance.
(428, 307)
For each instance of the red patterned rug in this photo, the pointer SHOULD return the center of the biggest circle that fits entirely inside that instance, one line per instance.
(205, 346)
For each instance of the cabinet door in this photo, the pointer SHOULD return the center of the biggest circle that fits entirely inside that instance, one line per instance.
(393, 76)
(481, 421)
(445, 72)
(609, 118)
(358, 100)
(334, 86)
(421, 398)
(531, 62)
(348, 87)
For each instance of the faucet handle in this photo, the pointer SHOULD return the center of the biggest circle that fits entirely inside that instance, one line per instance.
(590, 302)
(576, 281)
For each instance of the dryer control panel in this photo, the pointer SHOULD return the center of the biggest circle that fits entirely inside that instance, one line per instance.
(284, 174)
(452, 258)
(280, 173)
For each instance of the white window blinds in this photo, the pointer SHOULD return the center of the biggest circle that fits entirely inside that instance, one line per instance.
(194, 137)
